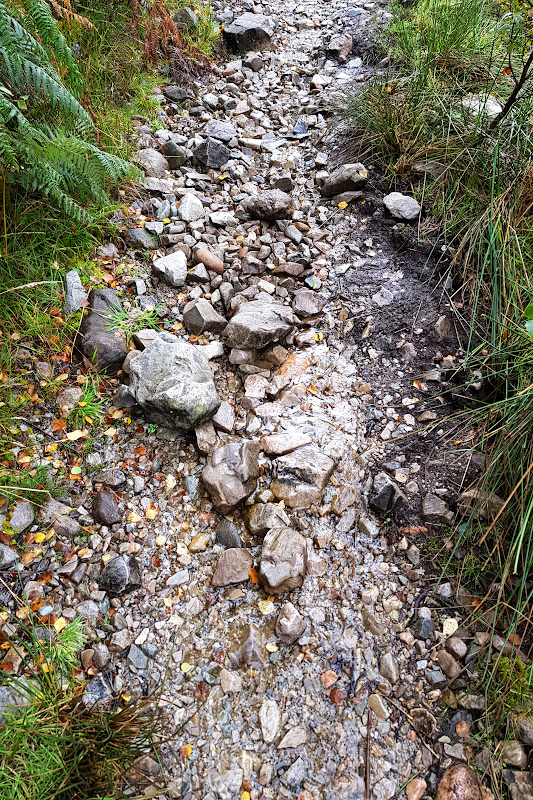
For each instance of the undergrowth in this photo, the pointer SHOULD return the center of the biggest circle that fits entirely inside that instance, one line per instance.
(473, 174)
(53, 746)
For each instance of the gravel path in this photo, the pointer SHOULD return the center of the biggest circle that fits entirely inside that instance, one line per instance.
(277, 607)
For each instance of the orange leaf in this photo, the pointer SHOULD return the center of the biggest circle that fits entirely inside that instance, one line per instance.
(254, 575)
(58, 425)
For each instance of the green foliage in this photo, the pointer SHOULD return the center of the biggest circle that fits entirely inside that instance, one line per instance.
(90, 409)
(54, 748)
(130, 320)
(47, 142)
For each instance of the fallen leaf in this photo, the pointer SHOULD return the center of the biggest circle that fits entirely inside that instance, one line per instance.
(59, 624)
(185, 750)
(462, 729)
(73, 436)
(152, 511)
(343, 205)
(254, 575)
(186, 667)
(133, 517)
(110, 431)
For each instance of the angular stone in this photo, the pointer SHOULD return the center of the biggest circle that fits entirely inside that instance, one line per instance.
(346, 178)
(524, 731)
(233, 567)
(371, 623)
(269, 719)
(227, 534)
(139, 239)
(206, 437)
(8, 557)
(152, 161)
(173, 382)
(340, 45)
(269, 205)
(175, 93)
(279, 444)
(218, 129)
(290, 625)
(89, 611)
(401, 206)
(22, 516)
(103, 347)
(113, 477)
(212, 153)
(230, 682)
(301, 476)
(172, 268)
(56, 515)
(253, 652)
(75, 294)
(456, 647)
(283, 560)
(105, 508)
(435, 678)
(98, 695)
(461, 783)
(483, 107)
(388, 667)
(423, 628)
(186, 20)
(448, 664)
(293, 738)
(174, 154)
(119, 641)
(520, 785)
(257, 324)
(435, 510)
(308, 303)
(262, 517)
(231, 474)
(199, 316)
(224, 419)
(190, 208)
(121, 575)
(250, 32)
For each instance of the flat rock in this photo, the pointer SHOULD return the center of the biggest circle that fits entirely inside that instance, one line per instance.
(252, 650)
(401, 206)
(8, 557)
(172, 268)
(218, 129)
(139, 239)
(173, 382)
(224, 419)
(301, 476)
(290, 625)
(270, 205)
(435, 510)
(104, 348)
(279, 444)
(227, 534)
(250, 32)
(262, 517)
(230, 682)
(347, 178)
(283, 560)
(257, 324)
(231, 474)
(308, 303)
(269, 719)
(190, 208)
(56, 515)
(233, 567)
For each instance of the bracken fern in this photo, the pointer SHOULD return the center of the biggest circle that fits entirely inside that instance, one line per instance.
(47, 138)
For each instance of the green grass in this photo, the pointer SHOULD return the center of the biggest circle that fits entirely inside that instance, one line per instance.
(91, 408)
(130, 320)
(55, 748)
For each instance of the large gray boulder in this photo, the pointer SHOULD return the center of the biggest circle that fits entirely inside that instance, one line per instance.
(250, 32)
(173, 382)
(172, 268)
(212, 153)
(347, 178)
(269, 205)
(257, 324)
(301, 476)
(283, 560)
(231, 474)
(103, 347)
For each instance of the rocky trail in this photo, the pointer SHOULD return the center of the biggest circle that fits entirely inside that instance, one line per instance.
(246, 527)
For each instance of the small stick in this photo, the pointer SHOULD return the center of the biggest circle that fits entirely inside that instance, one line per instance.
(367, 765)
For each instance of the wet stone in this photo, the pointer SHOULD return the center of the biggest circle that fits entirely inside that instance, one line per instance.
(233, 567)
(370, 623)
(269, 720)
(212, 153)
(290, 625)
(283, 560)
(252, 651)
(301, 476)
(231, 474)
(105, 508)
(388, 667)
(227, 534)
(121, 575)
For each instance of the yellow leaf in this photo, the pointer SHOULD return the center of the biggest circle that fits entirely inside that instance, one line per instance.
(363, 173)
(245, 796)
(82, 403)
(88, 420)
(343, 205)
(73, 436)
(166, 221)
(187, 749)
(51, 448)
(186, 667)
(59, 624)
(83, 552)
(152, 511)
(40, 537)
(160, 540)
(271, 647)
(168, 602)
(266, 607)
(170, 482)
(110, 431)
(127, 420)
(133, 517)
(118, 414)
(224, 176)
